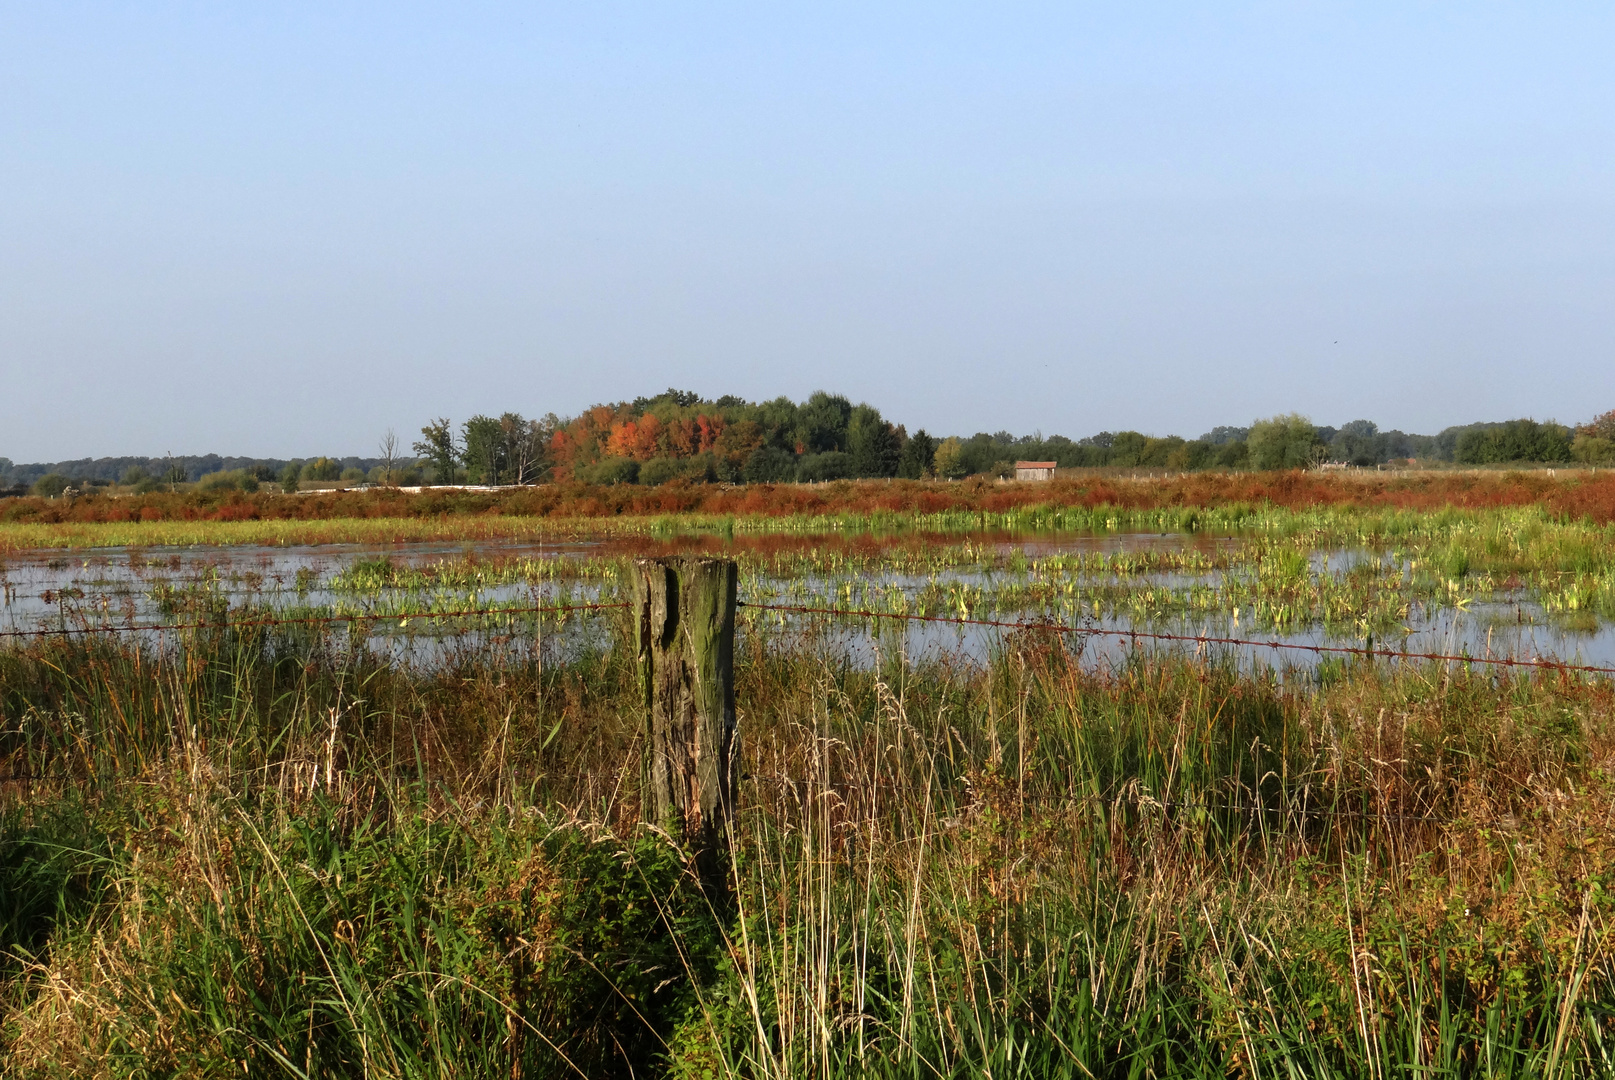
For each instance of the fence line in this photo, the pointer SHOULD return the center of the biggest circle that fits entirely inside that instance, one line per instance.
(797, 609)
(306, 619)
(1201, 639)
(1061, 628)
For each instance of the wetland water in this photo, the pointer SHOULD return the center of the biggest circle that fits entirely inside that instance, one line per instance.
(1219, 586)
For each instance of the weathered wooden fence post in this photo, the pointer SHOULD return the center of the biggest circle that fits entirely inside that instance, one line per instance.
(684, 635)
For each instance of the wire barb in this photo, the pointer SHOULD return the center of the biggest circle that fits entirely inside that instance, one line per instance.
(308, 619)
(1095, 631)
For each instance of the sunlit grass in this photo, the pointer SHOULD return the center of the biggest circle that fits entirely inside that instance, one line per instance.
(282, 850)
(264, 851)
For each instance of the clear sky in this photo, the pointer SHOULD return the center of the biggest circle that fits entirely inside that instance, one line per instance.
(280, 229)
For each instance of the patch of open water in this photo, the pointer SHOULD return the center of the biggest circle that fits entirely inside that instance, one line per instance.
(51, 589)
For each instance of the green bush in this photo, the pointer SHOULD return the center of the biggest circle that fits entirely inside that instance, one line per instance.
(660, 471)
(830, 465)
(1282, 442)
(229, 480)
(50, 485)
(769, 465)
(224, 480)
(612, 470)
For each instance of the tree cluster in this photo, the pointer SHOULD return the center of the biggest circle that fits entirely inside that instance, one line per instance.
(679, 435)
(1594, 441)
(509, 449)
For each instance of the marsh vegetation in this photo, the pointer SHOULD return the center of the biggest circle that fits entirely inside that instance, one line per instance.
(416, 850)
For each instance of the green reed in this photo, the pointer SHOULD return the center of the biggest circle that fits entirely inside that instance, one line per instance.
(273, 851)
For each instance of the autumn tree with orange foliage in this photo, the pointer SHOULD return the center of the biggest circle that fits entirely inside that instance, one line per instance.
(680, 434)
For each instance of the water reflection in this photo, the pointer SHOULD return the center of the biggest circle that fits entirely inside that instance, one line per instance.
(145, 587)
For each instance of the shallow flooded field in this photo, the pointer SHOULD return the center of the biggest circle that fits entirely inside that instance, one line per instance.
(1106, 584)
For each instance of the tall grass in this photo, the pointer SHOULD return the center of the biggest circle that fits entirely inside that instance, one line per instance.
(269, 852)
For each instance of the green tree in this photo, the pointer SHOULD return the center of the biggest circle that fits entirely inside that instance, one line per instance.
(821, 424)
(949, 460)
(133, 475)
(1358, 443)
(322, 469)
(438, 447)
(1127, 448)
(1591, 450)
(525, 442)
(918, 454)
(1514, 440)
(1169, 452)
(289, 477)
(872, 443)
(1281, 442)
(1594, 442)
(484, 454)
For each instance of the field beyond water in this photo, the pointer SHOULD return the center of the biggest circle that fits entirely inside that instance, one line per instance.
(412, 847)
(383, 516)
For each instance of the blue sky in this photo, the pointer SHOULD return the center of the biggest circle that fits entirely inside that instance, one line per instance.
(281, 230)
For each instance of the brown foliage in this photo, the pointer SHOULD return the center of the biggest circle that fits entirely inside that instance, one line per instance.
(1576, 495)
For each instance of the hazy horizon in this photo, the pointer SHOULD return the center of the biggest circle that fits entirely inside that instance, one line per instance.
(280, 234)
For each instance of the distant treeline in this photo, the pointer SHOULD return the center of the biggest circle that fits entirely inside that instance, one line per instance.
(188, 469)
(148, 473)
(679, 435)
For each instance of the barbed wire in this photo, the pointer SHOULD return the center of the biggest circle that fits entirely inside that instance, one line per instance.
(232, 624)
(1014, 625)
(854, 613)
(1200, 639)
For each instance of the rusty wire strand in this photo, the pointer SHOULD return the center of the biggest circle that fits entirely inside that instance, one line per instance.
(1201, 639)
